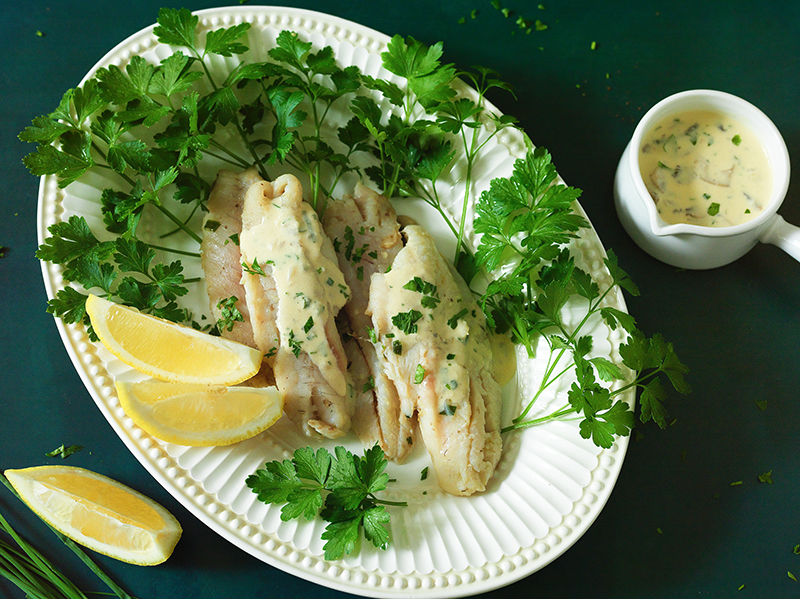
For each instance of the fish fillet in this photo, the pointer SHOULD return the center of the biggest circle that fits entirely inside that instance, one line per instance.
(294, 291)
(366, 236)
(445, 361)
(220, 255)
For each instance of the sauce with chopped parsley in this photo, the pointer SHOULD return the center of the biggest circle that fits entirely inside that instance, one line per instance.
(702, 167)
(310, 286)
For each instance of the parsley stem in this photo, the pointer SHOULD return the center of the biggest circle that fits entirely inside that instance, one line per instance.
(181, 225)
(390, 503)
(557, 415)
(174, 251)
(232, 157)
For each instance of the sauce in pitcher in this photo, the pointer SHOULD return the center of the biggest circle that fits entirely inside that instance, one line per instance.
(702, 167)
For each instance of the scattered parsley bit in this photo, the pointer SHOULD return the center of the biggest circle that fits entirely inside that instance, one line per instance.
(397, 347)
(39, 33)
(792, 576)
(453, 321)
(294, 344)
(796, 550)
(713, 209)
(448, 410)
(766, 478)
(211, 225)
(594, 46)
(352, 253)
(64, 451)
(430, 293)
(406, 321)
(424, 474)
(308, 325)
(737, 140)
(369, 385)
(419, 374)
(229, 313)
(255, 268)
(737, 483)
(339, 487)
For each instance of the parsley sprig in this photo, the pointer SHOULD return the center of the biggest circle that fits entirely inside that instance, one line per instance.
(341, 488)
(527, 221)
(150, 127)
(299, 91)
(434, 121)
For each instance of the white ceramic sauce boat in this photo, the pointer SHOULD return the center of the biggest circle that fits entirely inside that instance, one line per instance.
(697, 246)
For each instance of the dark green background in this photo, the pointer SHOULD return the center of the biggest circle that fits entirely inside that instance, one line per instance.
(674, 526)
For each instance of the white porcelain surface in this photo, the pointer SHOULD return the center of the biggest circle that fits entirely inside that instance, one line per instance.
(695, 246)
(550, 484)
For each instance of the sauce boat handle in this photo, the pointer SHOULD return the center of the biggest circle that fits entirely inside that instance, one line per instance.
(784, 235)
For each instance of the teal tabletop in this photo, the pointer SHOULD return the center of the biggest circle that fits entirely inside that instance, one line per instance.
(708, 506)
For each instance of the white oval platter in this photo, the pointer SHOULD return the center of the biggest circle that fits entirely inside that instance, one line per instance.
(549, 486)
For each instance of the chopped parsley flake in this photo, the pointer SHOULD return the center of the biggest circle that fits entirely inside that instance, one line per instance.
(229, 313)
(309, 324)
(766, 478)
(64, 451)
(255, 268)
(406, 321)
(294, 345)
(429, 291)
(419, 374)
(448, 410)
(369, 385)
(453, 322)
(713, 209)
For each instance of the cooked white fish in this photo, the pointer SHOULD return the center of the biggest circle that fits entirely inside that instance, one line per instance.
(444, 362)
(220, 255)
(294, 290)
(366, 236)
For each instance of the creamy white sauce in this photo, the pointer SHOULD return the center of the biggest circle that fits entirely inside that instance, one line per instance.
(705, 168)
(311, 287)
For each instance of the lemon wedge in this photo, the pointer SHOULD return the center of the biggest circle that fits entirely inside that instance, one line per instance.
(200, 415)
(98, 512)
(169, 351)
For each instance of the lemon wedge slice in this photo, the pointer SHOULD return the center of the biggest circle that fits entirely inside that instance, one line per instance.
(169, 351)
(200, 415)
(98, 512)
